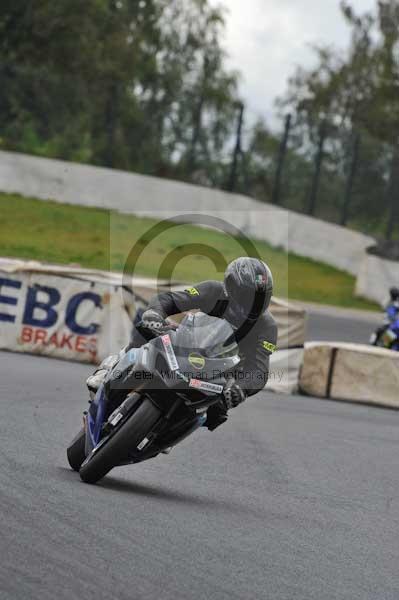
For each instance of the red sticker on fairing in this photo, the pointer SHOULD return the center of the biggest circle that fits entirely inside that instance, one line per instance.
(170, 353)
(206, 386)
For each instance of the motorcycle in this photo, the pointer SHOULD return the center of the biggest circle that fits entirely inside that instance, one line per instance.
(155, 396)
(387, 336)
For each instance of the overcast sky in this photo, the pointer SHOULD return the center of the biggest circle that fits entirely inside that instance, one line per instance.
(266, 39)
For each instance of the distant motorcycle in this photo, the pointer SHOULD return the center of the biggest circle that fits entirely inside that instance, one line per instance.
(155, 396)
(387, 336)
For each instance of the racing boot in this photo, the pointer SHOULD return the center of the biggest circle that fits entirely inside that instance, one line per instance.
(216, 415)
(94, 381)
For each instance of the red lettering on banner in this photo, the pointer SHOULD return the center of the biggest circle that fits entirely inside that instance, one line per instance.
(91, 348)
(53, 341)
(26, 335)
(69, 341)
(91, 345)
(66, 340)
(40, 336)
(80, 345)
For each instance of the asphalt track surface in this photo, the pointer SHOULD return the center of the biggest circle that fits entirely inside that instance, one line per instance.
(294, 498)
(346, 326)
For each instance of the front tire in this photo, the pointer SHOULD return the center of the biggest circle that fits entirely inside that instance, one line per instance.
(114, 451)
(76, 450)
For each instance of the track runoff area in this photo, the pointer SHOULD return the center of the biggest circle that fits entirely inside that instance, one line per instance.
(293, 498)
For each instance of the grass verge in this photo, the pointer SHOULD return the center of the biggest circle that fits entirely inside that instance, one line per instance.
(101, 239)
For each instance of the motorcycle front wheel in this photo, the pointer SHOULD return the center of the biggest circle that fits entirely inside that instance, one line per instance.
(76, 450)
(116, 448)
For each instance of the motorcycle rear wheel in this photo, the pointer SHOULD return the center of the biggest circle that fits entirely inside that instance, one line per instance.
(114, 450)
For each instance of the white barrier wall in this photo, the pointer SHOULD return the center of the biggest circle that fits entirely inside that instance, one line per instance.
(376, 276)
(128, 192)
(352, 372)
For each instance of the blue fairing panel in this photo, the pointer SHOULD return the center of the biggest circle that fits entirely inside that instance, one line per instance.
(95, 418)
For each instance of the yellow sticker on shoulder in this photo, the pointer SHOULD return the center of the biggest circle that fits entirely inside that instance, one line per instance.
(192, 291)
(269, 346)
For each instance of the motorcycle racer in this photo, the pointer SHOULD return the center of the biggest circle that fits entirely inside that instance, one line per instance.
(385, 335)
(392, 309)
(243, 300)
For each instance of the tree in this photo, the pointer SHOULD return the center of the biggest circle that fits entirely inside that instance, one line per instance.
(356, 94)
(132, 84)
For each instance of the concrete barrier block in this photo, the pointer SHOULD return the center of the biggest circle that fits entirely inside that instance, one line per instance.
(314, 373)
(353, 372)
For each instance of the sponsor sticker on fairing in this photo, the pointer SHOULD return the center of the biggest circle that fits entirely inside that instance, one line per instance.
(143, 443)
(205, 386)
(116, 419)
(170, 353)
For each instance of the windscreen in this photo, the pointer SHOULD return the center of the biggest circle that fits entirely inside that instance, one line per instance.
(211, 336)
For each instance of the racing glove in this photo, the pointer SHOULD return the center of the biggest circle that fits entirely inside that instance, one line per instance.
(233, 394)
(151, 319)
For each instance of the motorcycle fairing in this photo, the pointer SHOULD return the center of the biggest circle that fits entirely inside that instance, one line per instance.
(95, 419)
(209, 337)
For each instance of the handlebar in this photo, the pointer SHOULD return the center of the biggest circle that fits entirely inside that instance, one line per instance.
(151, 333)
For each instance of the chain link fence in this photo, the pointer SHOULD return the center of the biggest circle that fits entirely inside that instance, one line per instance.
(341, 176)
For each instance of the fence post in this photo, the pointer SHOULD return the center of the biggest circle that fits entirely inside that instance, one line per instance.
(318, 163)
(393, 190)
(237, 151)
(276, 195)
(350, 179)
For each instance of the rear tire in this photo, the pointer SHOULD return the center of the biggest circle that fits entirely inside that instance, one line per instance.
(114, 451)
(76, 451)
